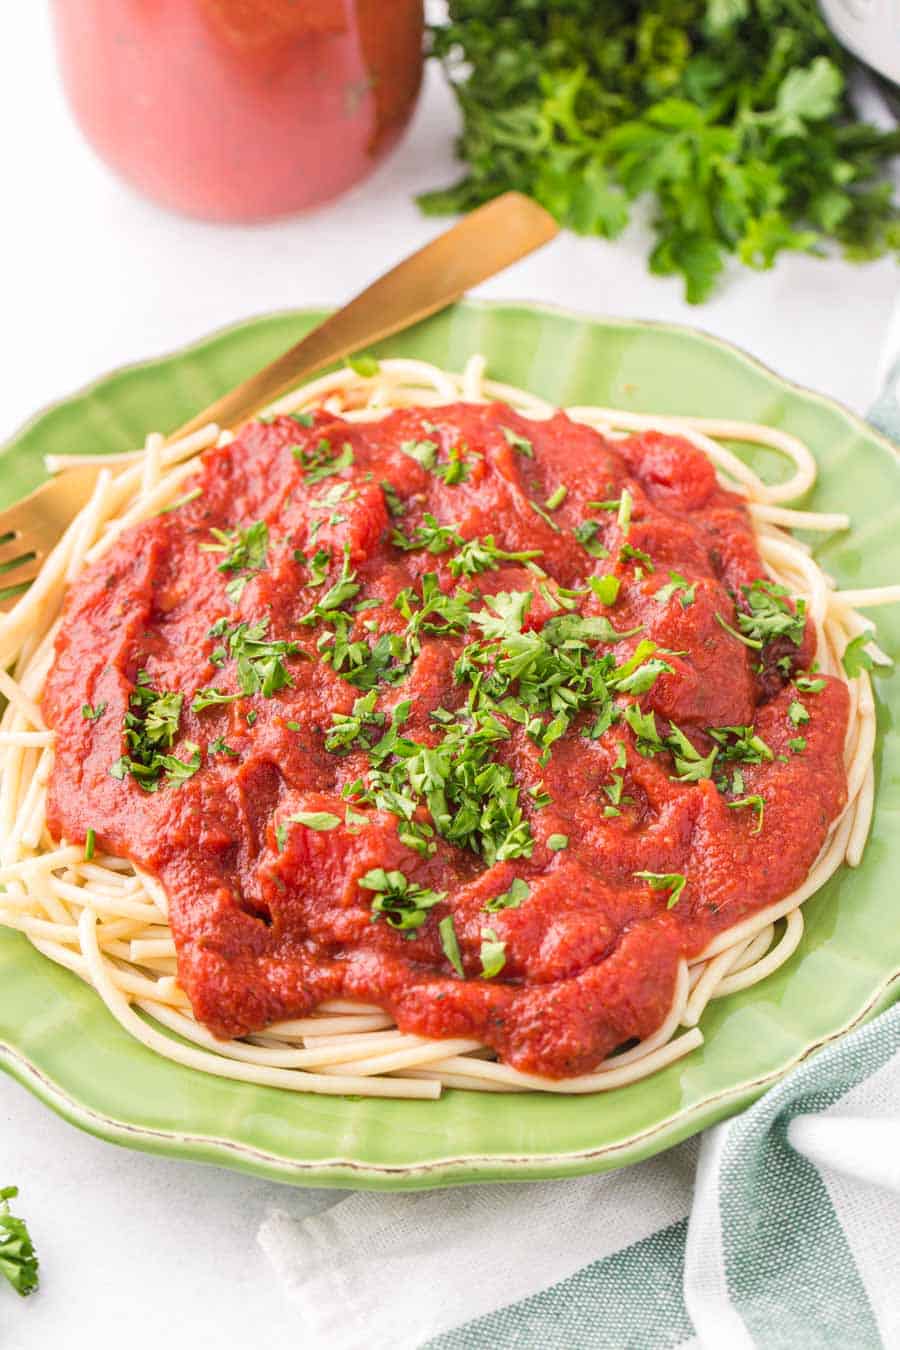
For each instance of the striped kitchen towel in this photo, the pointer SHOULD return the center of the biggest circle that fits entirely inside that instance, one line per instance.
(780, 1230)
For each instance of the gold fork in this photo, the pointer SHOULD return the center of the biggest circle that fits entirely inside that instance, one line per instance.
(474, 249)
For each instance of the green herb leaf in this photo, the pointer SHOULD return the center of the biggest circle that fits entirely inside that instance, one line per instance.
(90, 844)
(315, 820)
(518, 442)
(856, 658)
(364, 364)
(605, 588)
(677, 585)
(450, 944)
(586, 534)
(674, 882)
(756, 802)
(93, 714)
(404, 904)
(512, 898)
(18, 1259)
(557, 842)
(493, 954)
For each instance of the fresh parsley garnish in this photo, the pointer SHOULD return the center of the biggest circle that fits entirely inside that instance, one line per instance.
(404, 904)
(364, 364)
(150, 728)
(246, 553)
(673, 882)
(321, 461)
(210, 698)
(492, 954)
(586, 534)
(512, 898)
(757, 803)
(677, 585)
(735, 119)
(18, 1259)
(93, 714)
(520, 443)
(856, 658)
(450, 944)
(606, 588)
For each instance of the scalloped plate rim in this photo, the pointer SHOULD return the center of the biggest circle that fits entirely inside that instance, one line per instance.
(347, 1172)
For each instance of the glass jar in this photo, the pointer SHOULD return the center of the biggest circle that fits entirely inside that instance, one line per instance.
(241, 110)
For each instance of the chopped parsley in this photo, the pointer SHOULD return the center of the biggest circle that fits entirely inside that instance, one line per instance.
(677, 585)
(797, 714)
(218, 747)
(674, 882)
(392, 498)
(809, 686)
(93, 714)
(364, 364)
(482, 555)
(322, 462)
(520, 443)
(690, 765)
(261, 665)
(557, 497)
(90, 845)
(431, 536)
(315, 820)
(797, 745)
(539, 510)
(606, 588)
(246, 553)
(181, 501)
(557, 842)
(856, 658)
(740, 743)
(768, 615)
(755, 801)
(404, 904)
(493, 954)
(209, 698)
(450, 944)
(586, 534)
(512, 898)
(150, 728)
(423, 452)
(628, 553)
(623, 515)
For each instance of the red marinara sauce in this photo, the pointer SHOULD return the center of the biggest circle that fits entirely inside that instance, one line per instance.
(269, 914)
(241, 110)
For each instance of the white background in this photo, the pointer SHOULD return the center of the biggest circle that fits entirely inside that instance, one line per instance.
(139, 1250)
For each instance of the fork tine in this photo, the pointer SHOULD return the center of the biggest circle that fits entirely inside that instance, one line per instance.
(14, 548)
(17, 577)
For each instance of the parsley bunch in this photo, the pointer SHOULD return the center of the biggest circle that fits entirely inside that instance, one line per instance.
(733, 114)
(18, 1259)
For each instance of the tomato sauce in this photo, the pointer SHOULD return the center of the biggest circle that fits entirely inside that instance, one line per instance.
(269, 916)
(241, 110)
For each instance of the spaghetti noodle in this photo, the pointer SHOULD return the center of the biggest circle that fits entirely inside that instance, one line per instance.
(107, 920)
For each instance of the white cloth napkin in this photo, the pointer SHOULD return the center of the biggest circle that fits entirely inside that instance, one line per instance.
(393, 1271)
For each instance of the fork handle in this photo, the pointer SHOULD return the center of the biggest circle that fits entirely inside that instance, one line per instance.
(483, 243)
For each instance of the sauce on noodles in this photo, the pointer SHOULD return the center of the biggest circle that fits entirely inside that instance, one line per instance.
(372, 756)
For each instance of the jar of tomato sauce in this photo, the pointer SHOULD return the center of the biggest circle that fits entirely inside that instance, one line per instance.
(241, 110)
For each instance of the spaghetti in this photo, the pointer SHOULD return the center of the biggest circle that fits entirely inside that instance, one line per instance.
(107, 920)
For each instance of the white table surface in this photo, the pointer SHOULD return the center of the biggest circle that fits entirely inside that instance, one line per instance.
(141, 1250)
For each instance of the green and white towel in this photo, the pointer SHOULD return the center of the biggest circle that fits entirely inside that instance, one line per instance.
(780, 1229)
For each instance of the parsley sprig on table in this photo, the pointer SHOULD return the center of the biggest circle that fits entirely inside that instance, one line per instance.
(733, 115)
(18, 1259)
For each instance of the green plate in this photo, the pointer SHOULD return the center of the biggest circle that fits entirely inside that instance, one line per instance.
(57, 1038)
